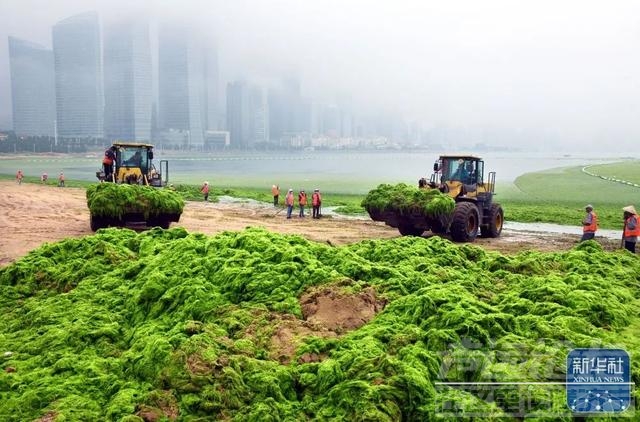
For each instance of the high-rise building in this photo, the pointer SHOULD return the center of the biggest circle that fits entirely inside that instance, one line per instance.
(288, 112)
(173, 100)
(185, 66)
(331, 121)
(78, 76)
(259, 112)
(32, 88)
(215, 121)
(127, 81)
(247, 115)
(237, 114)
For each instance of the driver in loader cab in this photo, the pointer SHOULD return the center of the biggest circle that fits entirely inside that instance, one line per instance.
(471, 173)
(466, 174)
(135, 160)
(461, 174)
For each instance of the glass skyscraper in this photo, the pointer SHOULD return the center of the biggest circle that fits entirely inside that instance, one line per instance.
(32, 88)
(127, 82)
(187, 81)
(247, 115)
(78, 76)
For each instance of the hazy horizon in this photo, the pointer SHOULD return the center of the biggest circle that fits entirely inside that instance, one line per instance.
(568, 73)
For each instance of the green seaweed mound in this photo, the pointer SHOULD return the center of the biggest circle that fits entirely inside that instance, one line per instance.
(163, 324)
(405, 199)
(114, 200)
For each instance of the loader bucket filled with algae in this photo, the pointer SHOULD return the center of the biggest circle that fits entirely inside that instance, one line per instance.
(120, 205)
(253, 325)
(405, 200)
(410, 209)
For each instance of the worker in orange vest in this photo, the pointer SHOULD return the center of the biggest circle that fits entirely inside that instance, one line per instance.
(205, 191)
(108, 161)
(61, 180)
(19, 177)
(631, 228)
(288, 200)
(589, 224)
(275, 191)
(302, 202)
(316, 201)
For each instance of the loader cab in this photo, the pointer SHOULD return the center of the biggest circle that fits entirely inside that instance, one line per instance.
(468, 170)
(462, 176)
(133, 157)
(134, 164)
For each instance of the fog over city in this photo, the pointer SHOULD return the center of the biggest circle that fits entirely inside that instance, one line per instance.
(556, 74)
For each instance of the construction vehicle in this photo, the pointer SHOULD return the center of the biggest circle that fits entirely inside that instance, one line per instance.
(132, 207)
(134, 165)
(462, 178)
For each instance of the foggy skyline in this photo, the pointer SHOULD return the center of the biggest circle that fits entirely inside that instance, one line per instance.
(568, 69)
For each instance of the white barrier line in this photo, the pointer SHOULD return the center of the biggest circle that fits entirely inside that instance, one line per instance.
(610, 179)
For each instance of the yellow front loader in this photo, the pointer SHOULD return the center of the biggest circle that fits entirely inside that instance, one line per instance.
(475, 212)
(134, 165)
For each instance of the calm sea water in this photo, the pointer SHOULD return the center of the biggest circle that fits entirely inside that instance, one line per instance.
(331, 171)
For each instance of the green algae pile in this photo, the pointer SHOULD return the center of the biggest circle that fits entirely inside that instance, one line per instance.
(404, 199)
(166, 324)
(115, 200)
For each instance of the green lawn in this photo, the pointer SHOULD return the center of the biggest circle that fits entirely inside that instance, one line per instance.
(629, 171)
(559, 196)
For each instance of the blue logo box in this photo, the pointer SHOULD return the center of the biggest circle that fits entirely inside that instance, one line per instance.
(598, 381)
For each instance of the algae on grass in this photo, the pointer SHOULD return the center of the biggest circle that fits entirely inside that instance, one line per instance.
(124, 326)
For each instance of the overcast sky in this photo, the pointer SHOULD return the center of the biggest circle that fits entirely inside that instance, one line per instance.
(566, 67)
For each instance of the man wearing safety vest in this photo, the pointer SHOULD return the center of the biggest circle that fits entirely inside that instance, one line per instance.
(275, 191)
(316, 201)
(205, 191)
(302, 202)
(107, 163)
(288, 200)
(589, 224)
(631, 228)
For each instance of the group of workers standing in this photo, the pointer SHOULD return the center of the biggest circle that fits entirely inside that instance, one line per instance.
(289, 201)
(44, 178)
(630, 232)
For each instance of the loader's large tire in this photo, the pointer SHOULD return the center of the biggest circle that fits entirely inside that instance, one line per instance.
(496, 220)
(464, 226)
(408, 230)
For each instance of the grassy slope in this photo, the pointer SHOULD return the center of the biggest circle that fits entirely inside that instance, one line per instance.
(559, 196)
(629, 171)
